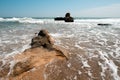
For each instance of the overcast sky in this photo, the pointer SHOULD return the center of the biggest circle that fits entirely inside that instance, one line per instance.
(52, 8)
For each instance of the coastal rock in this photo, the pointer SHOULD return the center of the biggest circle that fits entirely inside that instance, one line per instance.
(59, 18)
(42, 40)
(104, 24)
(46, 41)
(21, 67)
(4, 69)
(67, 18)
(32, 63)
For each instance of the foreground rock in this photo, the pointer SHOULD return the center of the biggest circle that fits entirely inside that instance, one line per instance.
(32, 63)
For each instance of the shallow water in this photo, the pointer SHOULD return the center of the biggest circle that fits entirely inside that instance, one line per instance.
(87, 43)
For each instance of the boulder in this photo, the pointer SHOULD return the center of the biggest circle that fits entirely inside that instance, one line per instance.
(42, 40)
(32, 63)
(67, 18)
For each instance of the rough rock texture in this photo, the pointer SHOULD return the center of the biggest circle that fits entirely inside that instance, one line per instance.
(32, 63)
(37, 58)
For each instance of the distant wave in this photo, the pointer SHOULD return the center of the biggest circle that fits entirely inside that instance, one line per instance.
(77, 20)
(107, 20)
(21, 20)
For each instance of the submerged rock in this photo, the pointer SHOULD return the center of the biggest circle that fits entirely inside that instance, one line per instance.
(104, 24)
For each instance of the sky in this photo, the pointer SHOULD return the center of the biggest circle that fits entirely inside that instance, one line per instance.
(52, 8)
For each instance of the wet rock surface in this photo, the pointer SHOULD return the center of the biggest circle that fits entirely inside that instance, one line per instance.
(30, 64)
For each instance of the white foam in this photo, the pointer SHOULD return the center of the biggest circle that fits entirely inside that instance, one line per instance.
(84, 61)
(78, 46)
(110, 20)
(69, 65)
(69, 36)
(75, 78)
(12, 64)
(90, 74)
(18, 51)
(108, 63)
(103, 70)
(1, 19)
(30, 20)
(79, 72)
(56, 34)
(114, 69)
(21, 20)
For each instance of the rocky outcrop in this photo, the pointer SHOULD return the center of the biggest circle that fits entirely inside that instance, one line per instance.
(59, 18)
(32, 63)
(67, 18)
(44, 40)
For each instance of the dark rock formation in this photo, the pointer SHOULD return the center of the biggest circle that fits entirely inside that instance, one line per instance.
(42, 40)
(46, 41)
(104, 24)
(67, 18)
(59, 18)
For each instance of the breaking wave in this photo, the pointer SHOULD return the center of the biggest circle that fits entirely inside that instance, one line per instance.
(21, 20)
(76, 21)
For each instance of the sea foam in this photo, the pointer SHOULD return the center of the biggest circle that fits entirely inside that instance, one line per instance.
(21, 20)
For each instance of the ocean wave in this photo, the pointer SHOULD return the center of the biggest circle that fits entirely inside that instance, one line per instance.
(47, 20)
(108, 20)
(21, 20)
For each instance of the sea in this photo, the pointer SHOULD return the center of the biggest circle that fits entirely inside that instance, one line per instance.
(84, 39)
